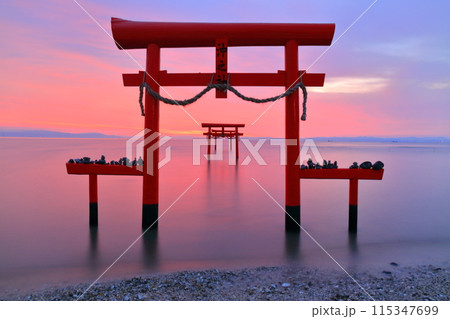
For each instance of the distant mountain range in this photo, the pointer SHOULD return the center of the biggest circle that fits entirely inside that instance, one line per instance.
(15, 132)
(6, 132)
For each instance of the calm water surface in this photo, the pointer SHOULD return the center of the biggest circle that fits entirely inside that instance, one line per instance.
(224, 221)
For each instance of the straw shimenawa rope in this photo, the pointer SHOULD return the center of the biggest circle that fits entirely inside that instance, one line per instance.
(224, 87)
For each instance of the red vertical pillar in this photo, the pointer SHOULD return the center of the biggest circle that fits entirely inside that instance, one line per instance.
(93, 200)
(353, 206)
(209, 141)
(151, 181)
(237, 143)
(292, 132)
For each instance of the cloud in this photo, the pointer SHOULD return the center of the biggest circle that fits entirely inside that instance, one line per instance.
(181, 132)
(351, 85)
(417, 49)
(439, 85)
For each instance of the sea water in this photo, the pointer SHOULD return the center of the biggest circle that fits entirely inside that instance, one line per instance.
(213, 215)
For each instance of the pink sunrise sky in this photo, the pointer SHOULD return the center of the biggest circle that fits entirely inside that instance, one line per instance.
(389, 75)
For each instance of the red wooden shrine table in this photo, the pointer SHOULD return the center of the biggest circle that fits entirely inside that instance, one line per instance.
(353, 175)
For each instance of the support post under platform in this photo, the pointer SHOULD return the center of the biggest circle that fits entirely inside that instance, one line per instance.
(93, 200)
(353, 206)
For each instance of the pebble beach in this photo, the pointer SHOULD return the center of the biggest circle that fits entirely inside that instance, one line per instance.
(424, 283)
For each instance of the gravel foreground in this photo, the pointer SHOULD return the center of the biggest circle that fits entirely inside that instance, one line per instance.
(267, 283)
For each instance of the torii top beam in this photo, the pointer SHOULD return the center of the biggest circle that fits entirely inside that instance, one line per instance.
(138, 35)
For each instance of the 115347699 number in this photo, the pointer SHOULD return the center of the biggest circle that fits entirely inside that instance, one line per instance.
(382, 310)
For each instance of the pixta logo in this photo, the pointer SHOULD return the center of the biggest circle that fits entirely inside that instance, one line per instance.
(253, 147)
(149, 141)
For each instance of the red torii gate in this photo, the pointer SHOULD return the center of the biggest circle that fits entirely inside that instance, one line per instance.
(153, 36)
(220, 131)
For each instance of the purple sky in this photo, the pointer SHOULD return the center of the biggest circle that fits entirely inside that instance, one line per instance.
(389, 74)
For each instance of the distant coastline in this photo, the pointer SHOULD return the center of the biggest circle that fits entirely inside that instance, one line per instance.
(17, 132)
(375, 139)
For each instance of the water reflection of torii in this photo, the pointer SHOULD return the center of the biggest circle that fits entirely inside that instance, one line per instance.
(153, 36)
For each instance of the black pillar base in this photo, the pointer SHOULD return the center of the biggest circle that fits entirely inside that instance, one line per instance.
(93, 214)
(149, 216)
(292, 218)
(352, 218)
